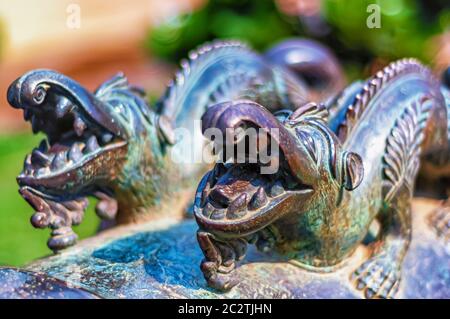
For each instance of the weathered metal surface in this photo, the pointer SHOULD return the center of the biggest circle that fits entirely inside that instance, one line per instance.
(328, 189)
(160, 260)
(21, 284)
(111, 144)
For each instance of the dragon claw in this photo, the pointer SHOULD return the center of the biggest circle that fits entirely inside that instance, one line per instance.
(379, 277)
(220, 260)
(216, 280)
(59, 216)
(62, 238)
(218, 277)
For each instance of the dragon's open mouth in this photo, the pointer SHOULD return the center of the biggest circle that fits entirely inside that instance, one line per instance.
(74, 145)
(85, 148)
(237, 193)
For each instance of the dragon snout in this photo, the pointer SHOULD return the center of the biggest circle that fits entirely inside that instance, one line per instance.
(12, 95)
(231, 116)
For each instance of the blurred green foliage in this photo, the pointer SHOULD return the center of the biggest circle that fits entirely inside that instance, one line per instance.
(19, 241)
(257, 22)
(406, 28)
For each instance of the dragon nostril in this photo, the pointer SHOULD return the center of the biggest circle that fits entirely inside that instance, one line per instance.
(258, 199)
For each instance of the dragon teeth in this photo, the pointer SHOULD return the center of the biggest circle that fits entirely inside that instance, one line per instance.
(219, 195)
(27, 167)
(42, 171)
(237, 207)
(258, 200)
(214, 213)
(218, 214)
(92, 144)
(75, 153)
(59, 161)
(276, 189)
(208, 209)
(107, 137)
(79, 126)
(39, 158)
(63, 106)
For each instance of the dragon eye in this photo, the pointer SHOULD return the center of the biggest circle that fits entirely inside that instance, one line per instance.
(39, 95)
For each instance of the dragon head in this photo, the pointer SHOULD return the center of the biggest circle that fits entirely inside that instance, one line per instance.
(238, 199)
(92, 139)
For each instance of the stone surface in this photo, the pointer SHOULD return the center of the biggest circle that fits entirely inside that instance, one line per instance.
(161, 260)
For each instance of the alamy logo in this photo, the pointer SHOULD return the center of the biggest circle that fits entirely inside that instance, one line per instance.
(73, 20)
(374, 19)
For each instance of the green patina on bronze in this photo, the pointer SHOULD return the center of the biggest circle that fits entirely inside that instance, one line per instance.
(111, 144)
(330, 188)
(343, 166)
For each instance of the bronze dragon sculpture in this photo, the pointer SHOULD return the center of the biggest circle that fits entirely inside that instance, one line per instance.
(110, 144)
(343, 168)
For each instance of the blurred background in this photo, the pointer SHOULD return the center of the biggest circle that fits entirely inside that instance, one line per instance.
(91, 40)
